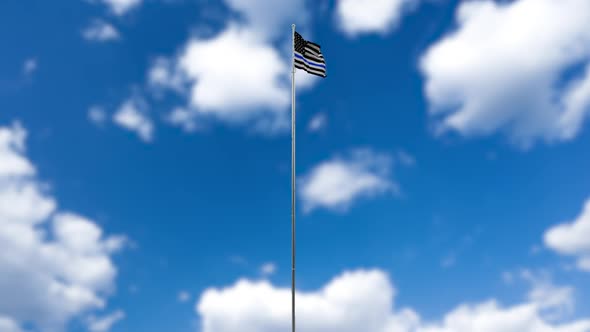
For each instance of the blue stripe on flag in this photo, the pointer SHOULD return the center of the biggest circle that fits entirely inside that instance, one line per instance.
(311, 63)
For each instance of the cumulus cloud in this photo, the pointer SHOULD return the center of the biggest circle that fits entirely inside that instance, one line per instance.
(248, 89)
(370, 16)
(104, 324)
(240, 75)
(572, 238)
(362, 300)
(336, 183)
(504, 70)
(355, 301)
(100, 31)
(230, 86)
(54, 265)
(224, 89)
(132, 116)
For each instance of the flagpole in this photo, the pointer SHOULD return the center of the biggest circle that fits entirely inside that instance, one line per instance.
(293, 183)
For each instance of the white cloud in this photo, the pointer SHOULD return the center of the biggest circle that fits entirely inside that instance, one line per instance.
(183, 118)
(241, 75)
(101, 31)
(357, 301)
(230, 86)
(317, 123)
(97, 115)
(577, 105)
(572, 238)
(121, 7)
(55, 266)
(104, 324)
(584, 263)
(166, 74)
(268, 269)
(503, 70)
(357, 17)
(132, 116)
(336, 183)
(490, 316)
(30, 66)
(554, 302)
(247, 89)
(12, 148)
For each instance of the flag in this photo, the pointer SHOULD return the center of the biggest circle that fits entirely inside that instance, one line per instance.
(308, 56)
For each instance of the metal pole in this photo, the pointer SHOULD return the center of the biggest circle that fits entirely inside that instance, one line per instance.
(293, 184)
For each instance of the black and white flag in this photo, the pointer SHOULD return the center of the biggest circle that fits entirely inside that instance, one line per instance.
(308, 56)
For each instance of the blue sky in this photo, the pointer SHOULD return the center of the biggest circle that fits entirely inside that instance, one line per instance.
(442, 166)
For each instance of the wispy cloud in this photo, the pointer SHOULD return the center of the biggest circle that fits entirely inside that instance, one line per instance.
(336, 183)
(104, 324)
(572, 238)
(268, 269)
(100, 31)
(97, 115)
(380, 16)
(318, 122)
(30, 66)
(122, 7)
(132, 115)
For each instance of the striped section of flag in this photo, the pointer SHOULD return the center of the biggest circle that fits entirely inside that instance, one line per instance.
(308, 56)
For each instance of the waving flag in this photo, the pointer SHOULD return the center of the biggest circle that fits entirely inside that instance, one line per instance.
(308, 56)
